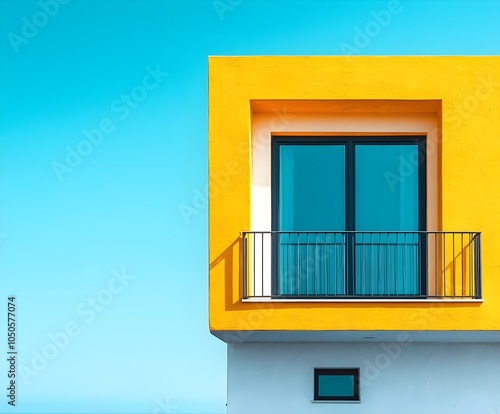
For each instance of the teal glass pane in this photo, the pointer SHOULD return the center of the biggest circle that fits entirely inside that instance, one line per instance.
(311, 199)
(386, 187)
(386, 199)
(312, 187)
(336, 386)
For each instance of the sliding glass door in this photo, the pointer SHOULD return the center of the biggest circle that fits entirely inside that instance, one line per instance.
(347, 211)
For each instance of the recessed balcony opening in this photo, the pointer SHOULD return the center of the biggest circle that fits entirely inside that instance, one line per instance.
(352, 215)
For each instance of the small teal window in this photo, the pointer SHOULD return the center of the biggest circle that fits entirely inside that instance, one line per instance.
(336, 384)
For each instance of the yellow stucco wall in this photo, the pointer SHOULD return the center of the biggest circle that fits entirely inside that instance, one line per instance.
(468, 89)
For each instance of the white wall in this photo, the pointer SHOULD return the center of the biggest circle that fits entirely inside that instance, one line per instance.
(398, 377)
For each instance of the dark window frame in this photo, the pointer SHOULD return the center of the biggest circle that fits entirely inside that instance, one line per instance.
(350, 143)
(337, 372)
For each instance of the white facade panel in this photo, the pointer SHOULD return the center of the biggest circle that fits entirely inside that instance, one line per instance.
(396, 377)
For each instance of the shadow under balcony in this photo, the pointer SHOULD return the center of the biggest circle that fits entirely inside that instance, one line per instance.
(361, 265)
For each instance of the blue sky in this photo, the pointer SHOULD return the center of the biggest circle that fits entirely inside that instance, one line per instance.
(103, 141)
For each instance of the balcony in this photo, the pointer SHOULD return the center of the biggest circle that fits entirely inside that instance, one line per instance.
(361, 265)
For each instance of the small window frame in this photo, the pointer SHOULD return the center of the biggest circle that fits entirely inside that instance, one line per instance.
(318, 372)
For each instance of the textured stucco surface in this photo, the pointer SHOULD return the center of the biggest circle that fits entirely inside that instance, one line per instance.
(467, 90)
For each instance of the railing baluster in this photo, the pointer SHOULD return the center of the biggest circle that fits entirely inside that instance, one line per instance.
(291, 260)
(370, 261)
(404, 263)
(329, 264)
(445, 280)
(244, 247)
(378, 280)
(461, 263)
(395, 270)
(436, 262)
(478, 269)
(253, 260)
(271, 241)
(421, 270)
(297, 282)
(319, 266)
(307, 264)
(341, 260)
(361, 262)
(453, 258)
(262, 262)
(471, 268)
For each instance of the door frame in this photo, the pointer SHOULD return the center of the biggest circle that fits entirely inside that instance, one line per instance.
(350, 142)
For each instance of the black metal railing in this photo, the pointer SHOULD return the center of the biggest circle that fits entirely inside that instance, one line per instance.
(349, 264)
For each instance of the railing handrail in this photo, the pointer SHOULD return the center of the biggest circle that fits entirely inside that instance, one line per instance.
(359, 232)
